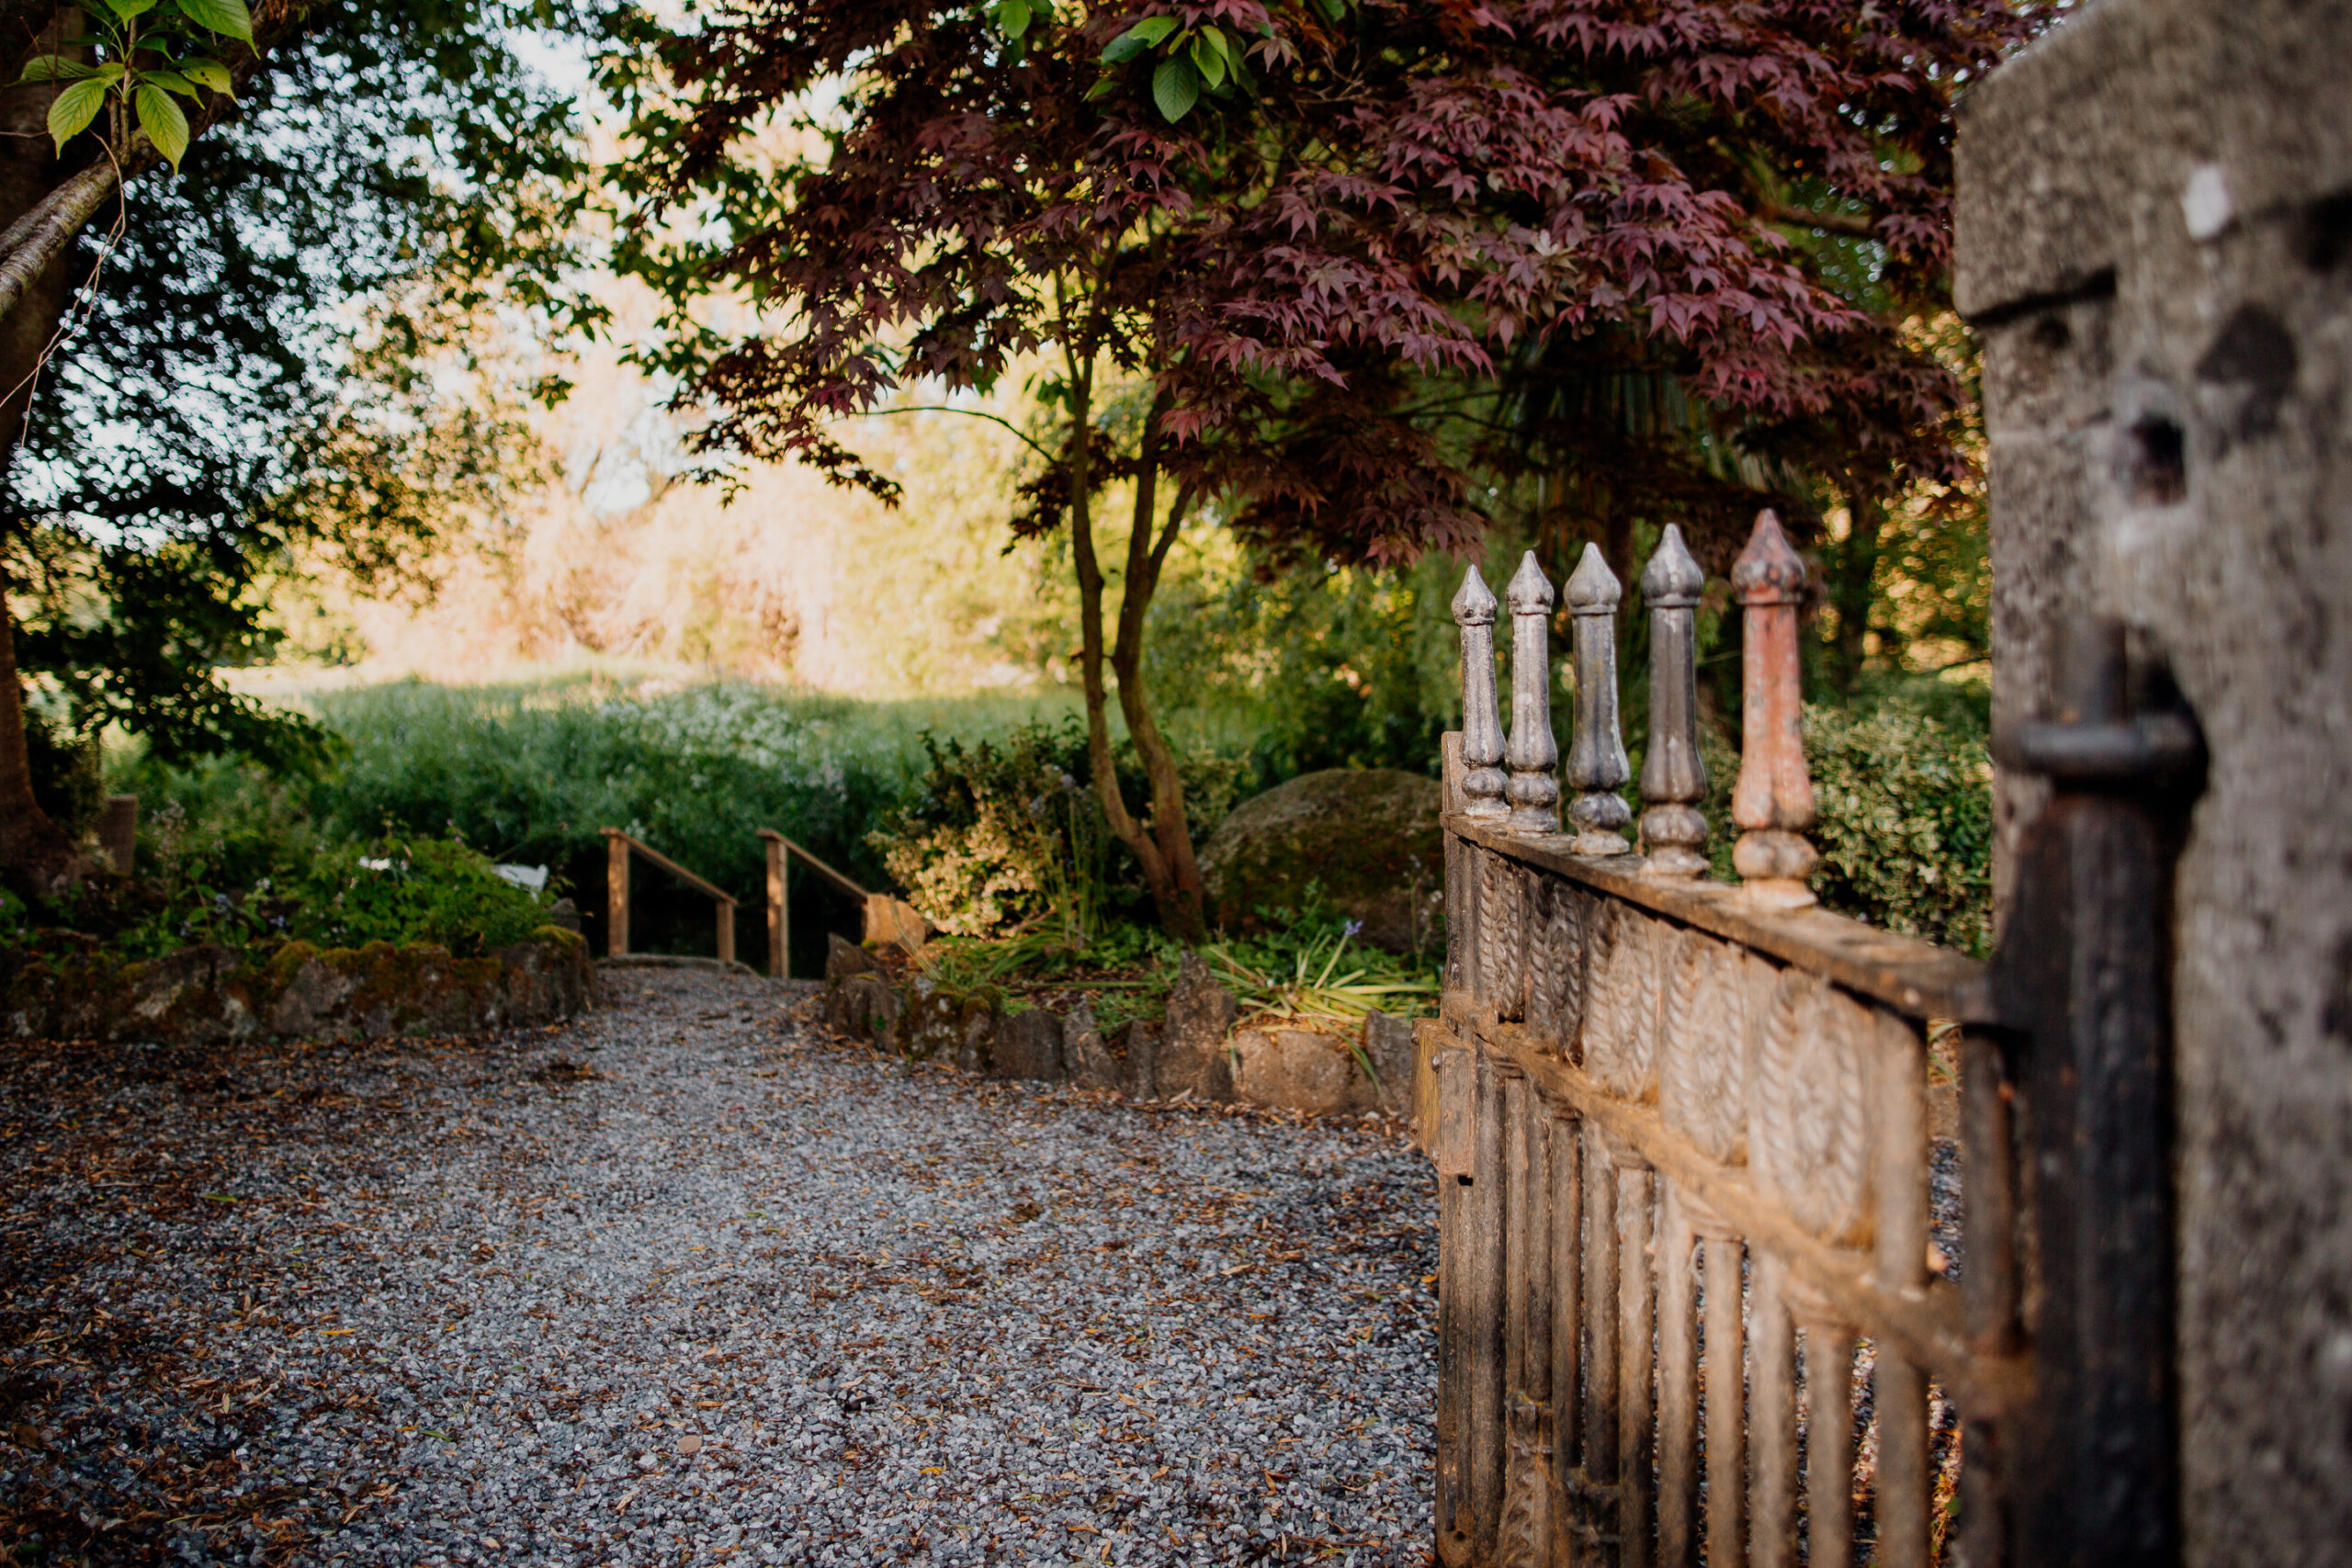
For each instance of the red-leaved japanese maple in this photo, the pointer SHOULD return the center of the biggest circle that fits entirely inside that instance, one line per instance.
(1286, 222)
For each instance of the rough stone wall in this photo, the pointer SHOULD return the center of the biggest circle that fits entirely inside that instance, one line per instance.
(2155, 241)
(201, 995)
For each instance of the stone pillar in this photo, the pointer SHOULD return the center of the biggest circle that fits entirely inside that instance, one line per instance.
(2155, 232)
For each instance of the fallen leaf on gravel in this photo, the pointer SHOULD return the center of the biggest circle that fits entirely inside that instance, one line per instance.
(690, 1444)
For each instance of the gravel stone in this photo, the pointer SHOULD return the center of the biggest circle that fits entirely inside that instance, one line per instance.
(688, 1281)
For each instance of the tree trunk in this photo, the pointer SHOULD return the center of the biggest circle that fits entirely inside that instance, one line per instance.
(1158, 876)
(1852, 566)
(36, 855)
(1180, 912)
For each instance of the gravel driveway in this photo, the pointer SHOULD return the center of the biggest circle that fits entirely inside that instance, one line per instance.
(684, 1283)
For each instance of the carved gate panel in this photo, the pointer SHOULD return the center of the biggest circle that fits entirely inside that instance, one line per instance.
(1690, 1304)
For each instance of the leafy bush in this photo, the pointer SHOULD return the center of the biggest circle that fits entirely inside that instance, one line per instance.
(413, 890)
(1903, 800)
(1303, 966)
(997, 836)
(66, 772)
(253, 870)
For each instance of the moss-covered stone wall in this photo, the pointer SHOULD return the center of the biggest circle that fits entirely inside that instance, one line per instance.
(210, 993)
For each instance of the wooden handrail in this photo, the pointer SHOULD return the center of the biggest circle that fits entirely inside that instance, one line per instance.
(619, 846)
(673, 867)
(887, 918)
(835, 878)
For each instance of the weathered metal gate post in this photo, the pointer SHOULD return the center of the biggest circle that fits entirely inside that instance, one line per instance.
(2154, 241)
(2091, 1471)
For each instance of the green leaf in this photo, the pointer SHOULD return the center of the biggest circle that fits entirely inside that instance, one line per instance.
(1219, 42)
(55, 68)
(127, 9)
(1176, 87)
(1123, 48)
(1208, 61)
(160, 118)
(227, 17)
(71, 112)
(209, 74)
(1153, 30)
(1013, 17)
(1334, 9)
(171, 82)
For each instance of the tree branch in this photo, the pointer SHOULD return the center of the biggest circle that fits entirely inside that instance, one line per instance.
(41, 235)
(1859, 225)
(1018, 434)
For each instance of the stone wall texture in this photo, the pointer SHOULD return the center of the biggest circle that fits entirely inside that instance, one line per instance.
(201, 995)
(2155, 243)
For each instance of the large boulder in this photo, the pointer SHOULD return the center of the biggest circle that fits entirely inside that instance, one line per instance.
(1369, 835)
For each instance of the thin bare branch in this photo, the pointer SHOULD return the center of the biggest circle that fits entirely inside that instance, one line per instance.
(970, 413)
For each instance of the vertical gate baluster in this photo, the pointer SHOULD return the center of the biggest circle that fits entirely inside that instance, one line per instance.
(1771, 1419)
(1568, 1294)
(1900, 1406)
(1534, 792)
(1899, 1184)
(1674, 775)
(1989, 1284)
(1482, 725)
(1454, 1299)
(1527, 1523)
(1487, 1217)
(1600, 1310)
(1461, 925)
(1726, 1404)
(1829, 1442)
(1677, 1384)
(1773, 799)
(1637, 1334)
(1596, 765)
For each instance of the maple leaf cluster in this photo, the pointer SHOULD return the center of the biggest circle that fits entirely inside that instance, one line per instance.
(1381, 196)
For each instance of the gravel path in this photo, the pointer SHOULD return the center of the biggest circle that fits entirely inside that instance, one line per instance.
(684, 1282)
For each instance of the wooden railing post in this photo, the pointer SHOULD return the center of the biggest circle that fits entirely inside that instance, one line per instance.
(779, 912)
(1674, 776)
(616, 892)
(1596, 765)
(1534, 792)
(726, 930)
(1773, 800)
(1482, 725)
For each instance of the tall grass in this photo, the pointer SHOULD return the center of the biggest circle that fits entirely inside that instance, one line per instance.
(532, 773)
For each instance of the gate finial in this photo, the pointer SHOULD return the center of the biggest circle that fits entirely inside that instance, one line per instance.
(1534, 793)
(1482, 725)
(1674, 775)
(1773, 800)
(1596, 765)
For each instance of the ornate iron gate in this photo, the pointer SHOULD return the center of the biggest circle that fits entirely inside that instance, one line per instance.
(1690, 1302)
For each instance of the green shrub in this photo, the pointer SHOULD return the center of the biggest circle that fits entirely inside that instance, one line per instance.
(65, 773)
(1903, 803)
(1903, 810)
(1001, 833)
(412, 890)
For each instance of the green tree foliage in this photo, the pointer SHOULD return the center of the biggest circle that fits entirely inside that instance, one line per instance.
(267, 365)
(1005, 833)
(1903, 799)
